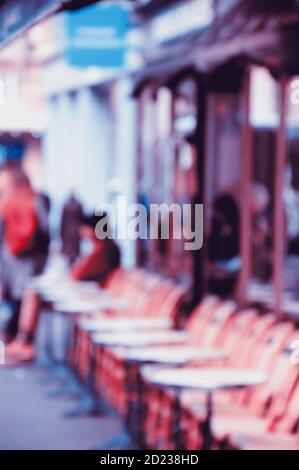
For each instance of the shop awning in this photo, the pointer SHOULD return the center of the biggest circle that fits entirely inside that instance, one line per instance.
(264, 36)
(17, 15)
(147, 9)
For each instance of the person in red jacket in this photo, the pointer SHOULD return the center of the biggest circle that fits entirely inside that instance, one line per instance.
(22, 251)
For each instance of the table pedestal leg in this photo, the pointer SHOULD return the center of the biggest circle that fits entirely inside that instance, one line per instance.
(122, 441)
(177, 425)
(90, 403)
(206, 426)
(135, 405)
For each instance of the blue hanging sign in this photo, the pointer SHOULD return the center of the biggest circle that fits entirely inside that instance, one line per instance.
(96, 35)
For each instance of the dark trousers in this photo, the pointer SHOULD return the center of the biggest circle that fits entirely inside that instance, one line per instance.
(11, 328)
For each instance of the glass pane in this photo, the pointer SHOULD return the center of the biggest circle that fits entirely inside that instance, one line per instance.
(222, 201)
(264, 118)
(162, 170)
(145, 159)
(184, 177)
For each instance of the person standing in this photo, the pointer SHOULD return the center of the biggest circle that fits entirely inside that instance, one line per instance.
(24, 240)
(72, 215)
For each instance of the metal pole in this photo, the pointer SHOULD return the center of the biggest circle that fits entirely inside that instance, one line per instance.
(245, 239)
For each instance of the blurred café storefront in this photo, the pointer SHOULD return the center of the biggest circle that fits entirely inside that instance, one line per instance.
(217, 111)
(215, 115)
(87, 142)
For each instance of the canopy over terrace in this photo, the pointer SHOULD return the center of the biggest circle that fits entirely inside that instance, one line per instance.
(258, 32)
(218, 59)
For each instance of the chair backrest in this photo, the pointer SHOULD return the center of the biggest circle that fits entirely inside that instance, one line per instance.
(219, 325)
(171, 303)
(264, 355)
(156, 296)
(200, 318)
(142, 293)
(254, 341)
(276, 341)
(136, 288)
(242, 325)
(123, 284)
(116, 281)
(272, 398)
(290, 419)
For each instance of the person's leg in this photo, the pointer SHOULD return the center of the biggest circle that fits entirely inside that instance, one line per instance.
(22, 348)
(29, 316)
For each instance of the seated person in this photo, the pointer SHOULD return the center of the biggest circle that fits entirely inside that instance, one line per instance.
(70, 228)
(224, 247)
(103, 258)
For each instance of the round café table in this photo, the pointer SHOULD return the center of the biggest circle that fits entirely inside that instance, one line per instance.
(128, 339)
(102, 324)
(132, 340)
(73, 294)
(70, 300)
(67, 289)
(209, 381)
(178, 355)
(175, 356)
(83, 306)
(77, 306)
(73, 298)
(70, 305)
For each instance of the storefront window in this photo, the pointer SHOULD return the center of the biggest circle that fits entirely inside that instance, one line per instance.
(167, 170)
(264, 120)
(146, 148)
(222, 193)
(185, 171)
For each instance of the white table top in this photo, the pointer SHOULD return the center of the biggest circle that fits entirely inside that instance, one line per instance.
(88, 305)
(79, 306)
(56, 288)
(131, 339)
(207, 380)
(178, 355)
(68, 292)
(124, 323)
(46, 283)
